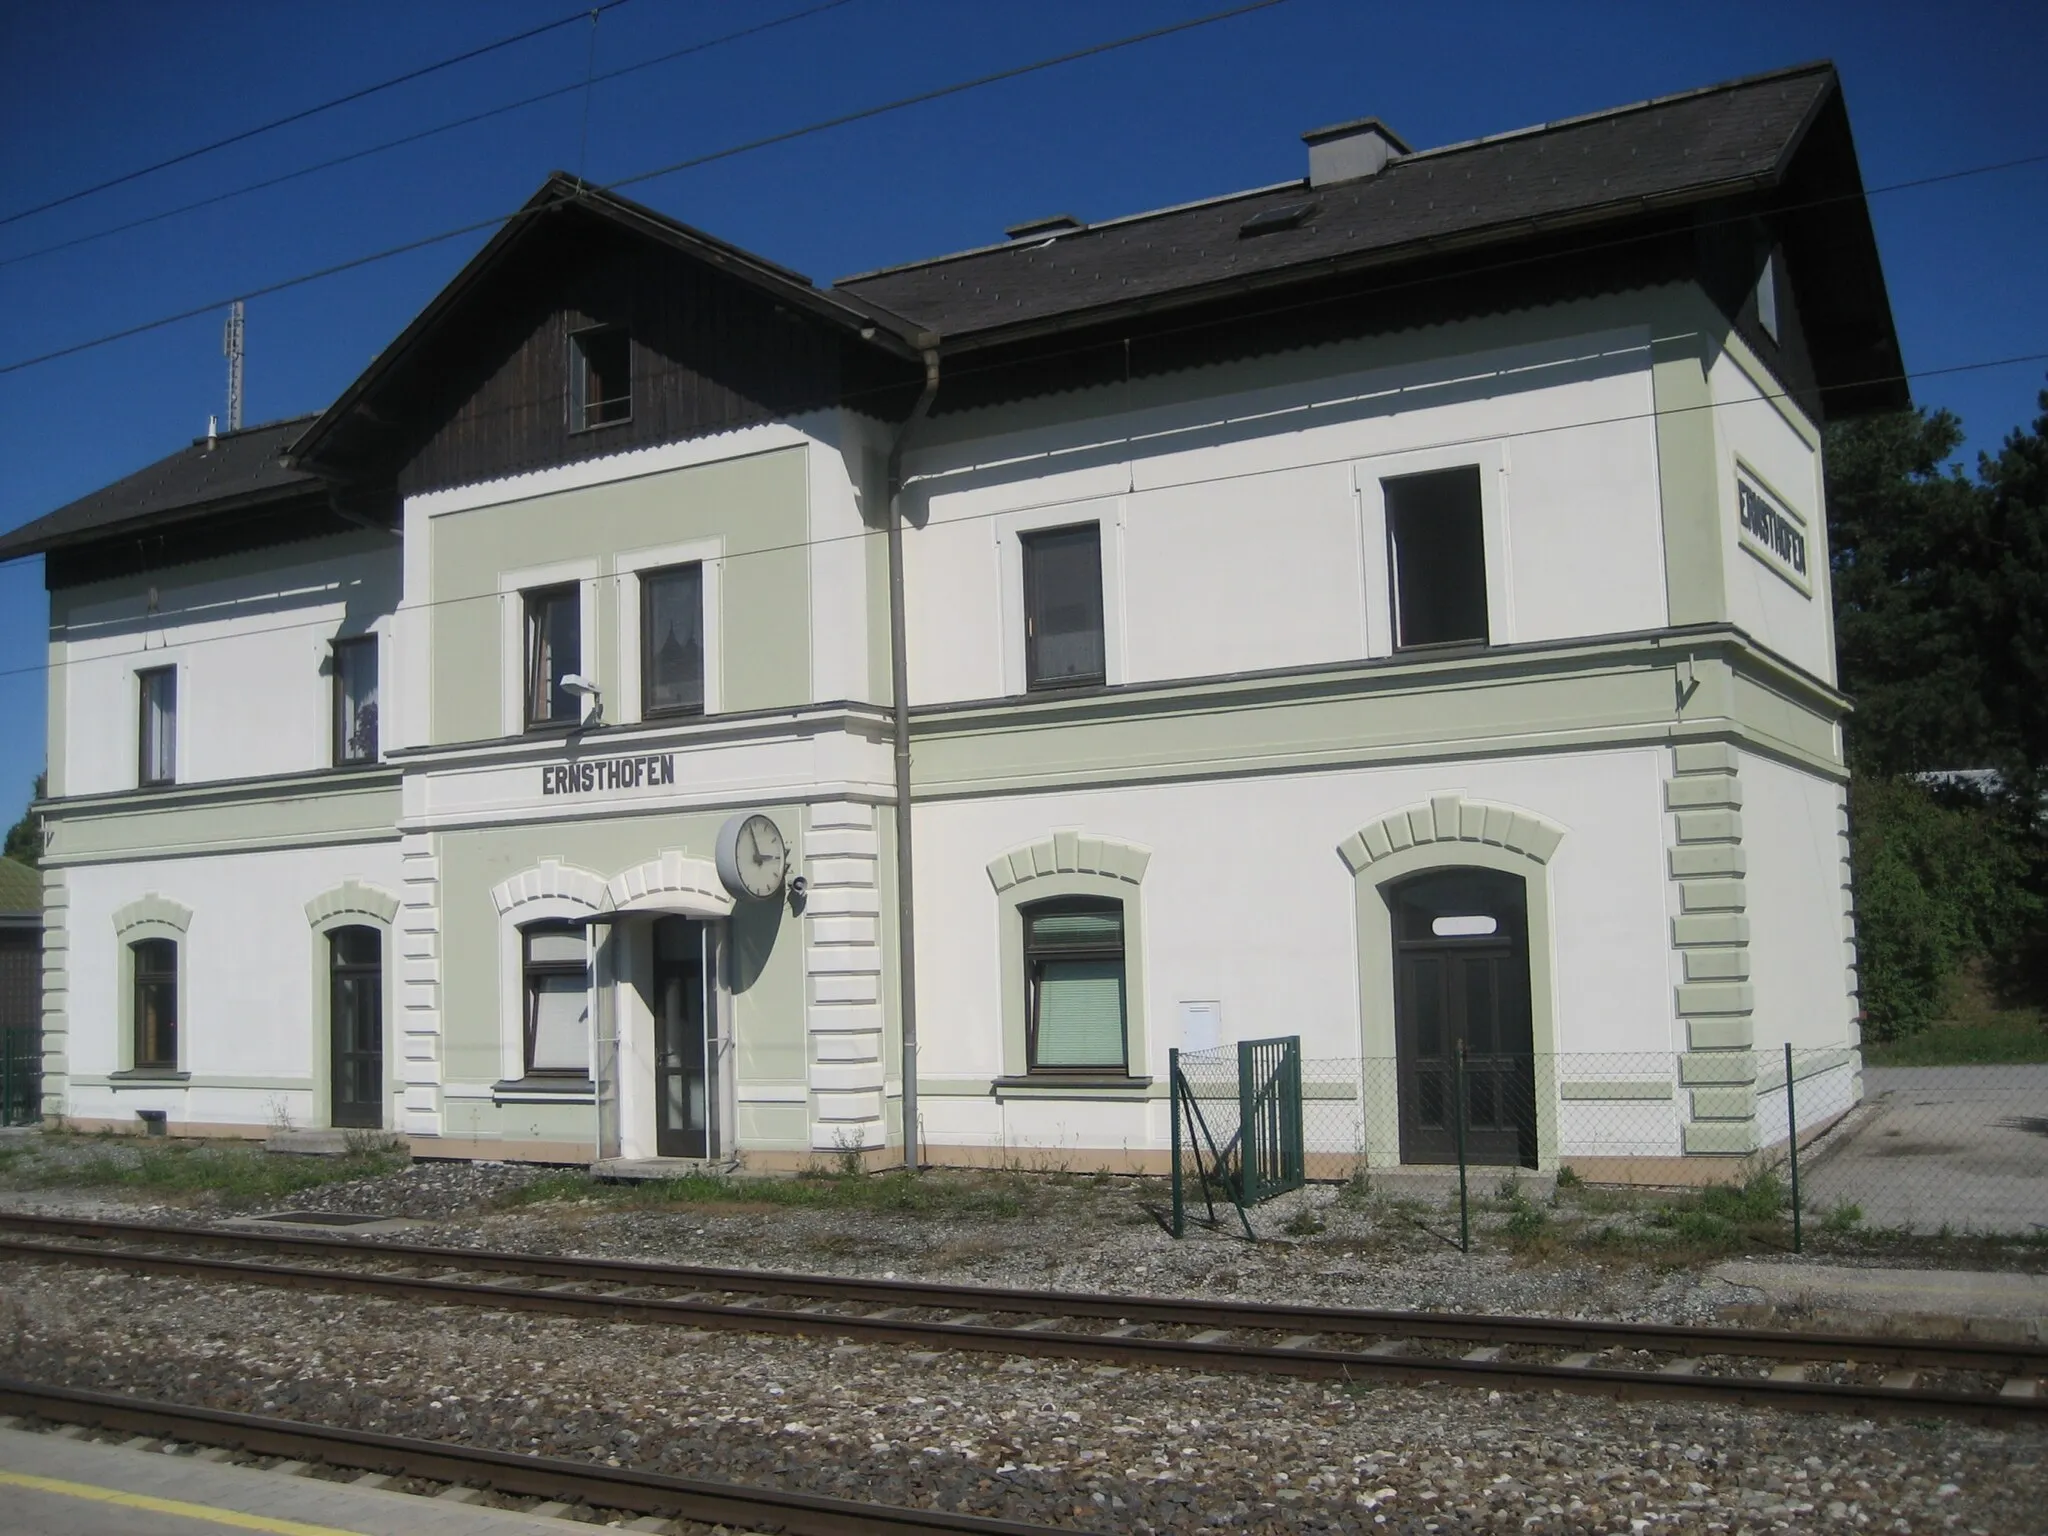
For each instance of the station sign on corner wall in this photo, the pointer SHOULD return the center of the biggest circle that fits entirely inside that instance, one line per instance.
(608, 775)
(1771, 531)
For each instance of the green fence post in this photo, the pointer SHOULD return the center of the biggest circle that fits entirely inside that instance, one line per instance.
(1792, 1144)
(1173, 1102)
(1464, 1211)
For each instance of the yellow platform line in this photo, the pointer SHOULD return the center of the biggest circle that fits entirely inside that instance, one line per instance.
(205, 1512)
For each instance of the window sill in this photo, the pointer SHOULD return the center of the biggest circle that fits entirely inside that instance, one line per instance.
(147, 1077)
(599, 426)
(1051, 1085)
(544, 1090)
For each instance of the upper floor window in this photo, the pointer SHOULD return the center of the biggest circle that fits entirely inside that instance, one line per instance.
(600, 378)
(1437, 547)
(672, 641)
(1074, 976)
(355, 700)
(1063, 607)
(158, 734)
(156, 1002)
(554, 653)
(557, 986)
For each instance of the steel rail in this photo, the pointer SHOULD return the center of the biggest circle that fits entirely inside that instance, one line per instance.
(1301, 1355)
(2013, 1358)
(741, 1505)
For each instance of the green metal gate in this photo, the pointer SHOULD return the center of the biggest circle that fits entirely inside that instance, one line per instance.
(1256, 1085)
(21, 1076)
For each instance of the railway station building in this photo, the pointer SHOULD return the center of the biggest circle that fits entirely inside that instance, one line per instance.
(665, 708)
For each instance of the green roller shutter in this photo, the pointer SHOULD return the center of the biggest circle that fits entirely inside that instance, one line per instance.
(1081, 1013)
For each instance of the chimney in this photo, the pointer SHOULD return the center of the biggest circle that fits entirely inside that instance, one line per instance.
(1351, 151)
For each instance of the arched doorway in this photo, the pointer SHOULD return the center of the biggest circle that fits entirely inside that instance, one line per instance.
(1461, 984)
(355, 1027)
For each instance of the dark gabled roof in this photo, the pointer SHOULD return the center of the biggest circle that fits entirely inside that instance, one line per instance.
(1720, 142)
(565, 194)
(21, 890)
(238, 470)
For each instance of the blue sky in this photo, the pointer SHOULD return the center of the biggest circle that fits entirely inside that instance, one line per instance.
(95, 88)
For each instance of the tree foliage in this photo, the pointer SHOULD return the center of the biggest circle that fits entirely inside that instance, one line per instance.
(1939, 881)
(1941, 617)
(25, 837)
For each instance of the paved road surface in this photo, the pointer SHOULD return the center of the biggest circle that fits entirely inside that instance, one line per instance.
(1965, 1147)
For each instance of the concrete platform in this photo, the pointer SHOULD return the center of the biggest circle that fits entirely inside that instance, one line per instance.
(1972, 1303)
(62, 1487)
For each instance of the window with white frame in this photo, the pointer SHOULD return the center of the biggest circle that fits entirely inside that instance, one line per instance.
(554, 653)
(1063, 621)
(556, 974)
(672, 640)
(600, 377)
(157, 692)
(1436, 547)
(355, 700)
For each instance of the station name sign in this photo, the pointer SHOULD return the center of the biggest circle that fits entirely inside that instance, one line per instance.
(1772, 532)
(606, 775)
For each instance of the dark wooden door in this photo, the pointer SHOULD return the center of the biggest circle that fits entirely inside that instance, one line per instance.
(355, 1022)
(682, 1058)
(1461, 987)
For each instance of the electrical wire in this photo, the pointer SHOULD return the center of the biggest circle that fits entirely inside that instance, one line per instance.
(313, 111)
(417, 136)
(220, 612)
(784, 137)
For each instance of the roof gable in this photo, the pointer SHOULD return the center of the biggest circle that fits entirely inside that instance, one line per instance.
(478, 385)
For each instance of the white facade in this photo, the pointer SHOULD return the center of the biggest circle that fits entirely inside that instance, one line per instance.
(1638, 762)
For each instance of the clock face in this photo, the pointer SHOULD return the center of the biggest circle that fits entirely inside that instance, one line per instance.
(753, 857)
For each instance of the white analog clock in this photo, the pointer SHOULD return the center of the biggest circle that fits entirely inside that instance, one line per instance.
(753, 857)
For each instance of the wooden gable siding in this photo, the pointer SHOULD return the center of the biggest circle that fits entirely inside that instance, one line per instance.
(709, 354)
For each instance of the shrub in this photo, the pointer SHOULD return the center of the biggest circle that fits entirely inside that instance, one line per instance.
(1939, 879)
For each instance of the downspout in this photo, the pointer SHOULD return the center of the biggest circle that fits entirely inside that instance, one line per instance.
(899, 695)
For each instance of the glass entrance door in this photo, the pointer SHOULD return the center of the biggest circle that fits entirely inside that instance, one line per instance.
(1461, 985)
(682, 1057)
(355, 1028)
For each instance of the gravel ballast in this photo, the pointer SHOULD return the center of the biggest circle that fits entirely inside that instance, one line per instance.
(1060, 1442)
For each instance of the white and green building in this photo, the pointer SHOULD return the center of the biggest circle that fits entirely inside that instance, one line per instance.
(665, 708)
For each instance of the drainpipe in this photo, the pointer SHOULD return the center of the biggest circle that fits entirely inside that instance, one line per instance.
(899, 694)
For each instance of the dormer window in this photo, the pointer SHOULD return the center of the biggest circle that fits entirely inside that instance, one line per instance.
(600, 378)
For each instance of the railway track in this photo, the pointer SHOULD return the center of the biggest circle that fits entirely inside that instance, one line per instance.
(1986, 1382)
(625, 1489)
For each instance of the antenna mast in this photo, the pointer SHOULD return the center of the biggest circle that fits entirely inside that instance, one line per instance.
(231, 348)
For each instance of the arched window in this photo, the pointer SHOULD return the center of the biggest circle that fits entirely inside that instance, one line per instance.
(156, 1002)
(1074, 978)
(557, 977)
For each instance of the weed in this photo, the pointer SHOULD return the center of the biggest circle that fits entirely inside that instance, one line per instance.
(235, 1174)
(1510, 1189)
(1568, 1178)
(1356, 1190)
(1303, 1223)
(1525, 1221)
(997, 1196)
(1845, 1217)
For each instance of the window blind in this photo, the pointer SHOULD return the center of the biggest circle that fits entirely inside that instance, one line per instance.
(1081, 1013)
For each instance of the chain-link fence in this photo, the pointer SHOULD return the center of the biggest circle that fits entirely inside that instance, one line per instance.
(1921, 1151)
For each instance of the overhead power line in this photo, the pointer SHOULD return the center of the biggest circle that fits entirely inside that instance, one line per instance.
(1768, 399)
(788, 135)
(386, 145)
(313, 111)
